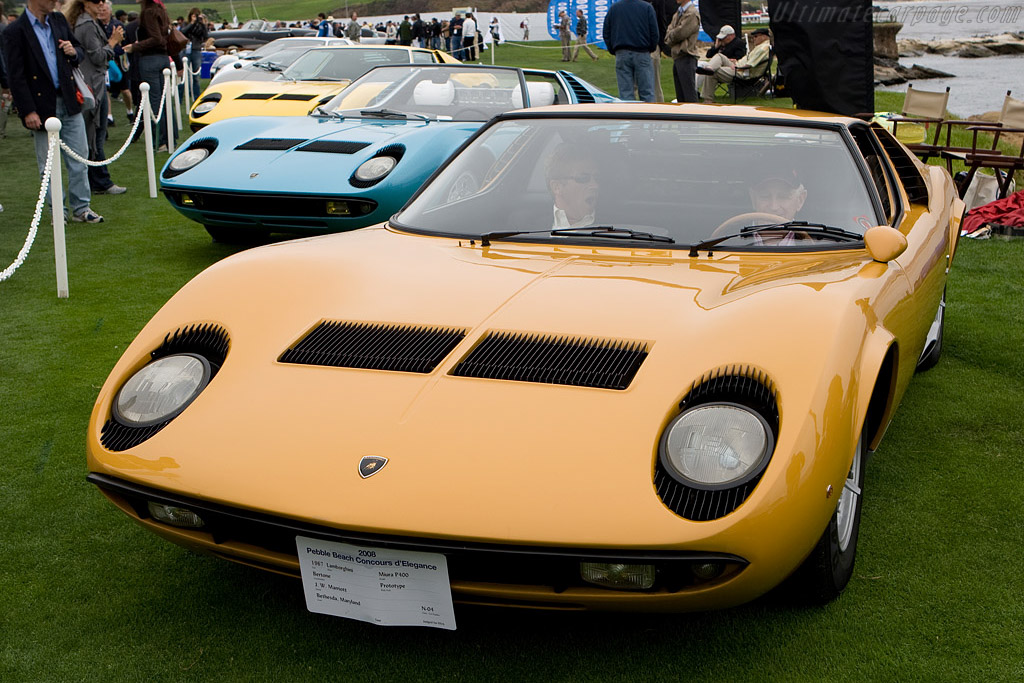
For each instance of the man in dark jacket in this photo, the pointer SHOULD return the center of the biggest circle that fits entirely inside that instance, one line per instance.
(40, 52)
(631, 34)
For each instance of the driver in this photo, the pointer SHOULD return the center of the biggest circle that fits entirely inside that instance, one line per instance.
(779, 192)
(574, 181)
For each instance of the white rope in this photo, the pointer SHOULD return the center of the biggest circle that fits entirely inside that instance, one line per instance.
(544, 47)
(131, 135)
(23, 254)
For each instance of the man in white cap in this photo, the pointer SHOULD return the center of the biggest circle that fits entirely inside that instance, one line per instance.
(722, 69)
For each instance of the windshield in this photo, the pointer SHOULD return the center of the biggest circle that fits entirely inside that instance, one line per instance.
(688, 181)
(462, 94)
(281, 58)
(275, 46)
(342, 63)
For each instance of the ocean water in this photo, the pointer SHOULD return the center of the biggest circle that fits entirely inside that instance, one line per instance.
(979, 84)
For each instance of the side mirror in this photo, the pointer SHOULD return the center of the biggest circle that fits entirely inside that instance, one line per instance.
(884, 243)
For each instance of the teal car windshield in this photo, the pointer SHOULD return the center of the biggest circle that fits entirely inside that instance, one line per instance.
(443, 92)
(671, 182)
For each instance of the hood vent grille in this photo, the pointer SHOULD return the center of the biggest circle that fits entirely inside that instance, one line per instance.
(583, 96)
(549, 359)
(401, 348)
(297, 97)
(255, 96)
(271, 144)
(334, 146)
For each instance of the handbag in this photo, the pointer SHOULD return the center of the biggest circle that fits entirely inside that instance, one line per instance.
(85, 95)
(176, 42)
(114, 71)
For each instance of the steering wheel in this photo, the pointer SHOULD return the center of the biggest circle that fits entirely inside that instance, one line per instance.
(731, 225)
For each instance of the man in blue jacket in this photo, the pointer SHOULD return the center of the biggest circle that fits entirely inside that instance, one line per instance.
(40, 52)
(631, 34)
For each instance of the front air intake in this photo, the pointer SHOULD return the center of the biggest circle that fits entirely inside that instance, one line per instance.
(372, 346)
(550, 359)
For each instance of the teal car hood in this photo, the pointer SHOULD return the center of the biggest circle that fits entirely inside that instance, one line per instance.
(266, 155)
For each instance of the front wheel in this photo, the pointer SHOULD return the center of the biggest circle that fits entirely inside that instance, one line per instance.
(829, 567)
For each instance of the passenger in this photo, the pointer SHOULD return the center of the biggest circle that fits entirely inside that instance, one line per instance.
(574, 181)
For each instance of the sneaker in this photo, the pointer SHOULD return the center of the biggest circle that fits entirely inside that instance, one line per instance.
(162, 148)
(110, 122)
(704, 71)
(87, 216)
(113, 189)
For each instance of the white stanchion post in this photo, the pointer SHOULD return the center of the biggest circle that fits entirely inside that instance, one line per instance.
(188, 85)
(57, 205)
(168, 111)
(177, 97)
(494, 48)
(145, 111)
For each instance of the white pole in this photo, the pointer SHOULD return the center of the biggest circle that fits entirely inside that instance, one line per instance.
(168, 110)
(494, 45)
(57, 205)
(177, 97)
(188, 85)
(145, 111)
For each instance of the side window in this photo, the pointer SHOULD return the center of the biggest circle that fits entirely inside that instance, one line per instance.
(423, 58)
(875, 161)
(905, 165)
(550, 93)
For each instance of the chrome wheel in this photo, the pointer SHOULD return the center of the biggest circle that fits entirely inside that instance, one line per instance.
(848, 499)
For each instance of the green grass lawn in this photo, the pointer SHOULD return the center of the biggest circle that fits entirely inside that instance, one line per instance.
(88, 595)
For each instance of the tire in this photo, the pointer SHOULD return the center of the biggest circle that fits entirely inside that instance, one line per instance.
(230, 235)
(933, 345)
(829, 567)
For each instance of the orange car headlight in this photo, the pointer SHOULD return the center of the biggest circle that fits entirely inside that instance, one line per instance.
(716, 445)
(161, 390)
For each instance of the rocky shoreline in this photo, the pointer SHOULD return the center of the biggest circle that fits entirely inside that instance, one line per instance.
(889, 71)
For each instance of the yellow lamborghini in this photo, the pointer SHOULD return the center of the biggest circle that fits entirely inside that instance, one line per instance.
(314, 78)
(622, 357)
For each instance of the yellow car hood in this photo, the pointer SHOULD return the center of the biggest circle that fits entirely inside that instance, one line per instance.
(265, 98)
(493, 459)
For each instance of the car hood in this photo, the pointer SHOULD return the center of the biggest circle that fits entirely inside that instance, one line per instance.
(492, 459)
(265, 98)
(346, 144)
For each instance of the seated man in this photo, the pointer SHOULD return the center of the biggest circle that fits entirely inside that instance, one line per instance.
(574, 181)
(722, 69)
(779, 192)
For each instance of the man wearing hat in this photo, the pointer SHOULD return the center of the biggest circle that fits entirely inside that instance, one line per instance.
(777, 190)
(722, 69)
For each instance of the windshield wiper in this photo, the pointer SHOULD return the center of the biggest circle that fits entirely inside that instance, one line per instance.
(838, 234)
(608, 231)
(268, 66)
(391, 114)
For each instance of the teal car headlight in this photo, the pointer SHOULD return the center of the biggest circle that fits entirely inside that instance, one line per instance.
(188, 159)
(375, 168)
(161, 390)
(716, 445)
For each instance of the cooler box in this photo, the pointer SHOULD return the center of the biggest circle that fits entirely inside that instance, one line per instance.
(208, 59)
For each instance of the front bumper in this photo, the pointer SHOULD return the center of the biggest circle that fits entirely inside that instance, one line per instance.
(491, 574)
(276, 213)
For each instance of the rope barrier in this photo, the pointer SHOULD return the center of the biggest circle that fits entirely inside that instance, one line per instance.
(54, 143)
(34, 228)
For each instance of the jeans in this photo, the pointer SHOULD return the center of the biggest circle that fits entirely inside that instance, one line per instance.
(72, 132)
(457, 47)
(96, 135)
(634, 70)
(151, 69)
(196, 61)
